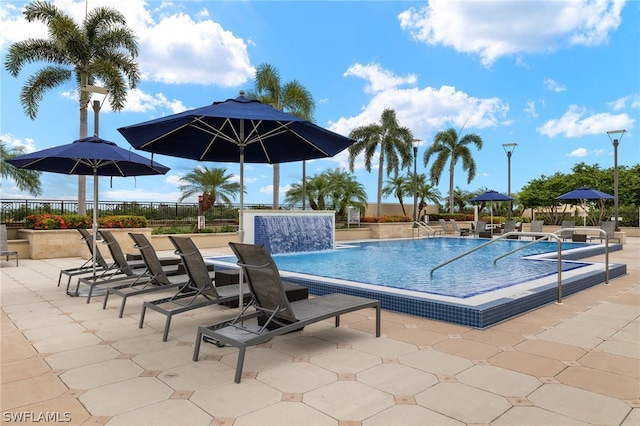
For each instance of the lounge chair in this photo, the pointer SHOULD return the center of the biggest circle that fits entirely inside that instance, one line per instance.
(536, 226)
(270, 302)
(566, 235)
(481, 226)
(156, 277)
(198, 292)
(609, 227)
(446, 226)
(510, 226)
(124, 272)
(4, 244)
(463, 232)
(87, 267)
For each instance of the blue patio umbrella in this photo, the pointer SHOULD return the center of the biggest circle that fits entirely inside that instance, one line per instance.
(583, 194)
(236, 130)
(491, 196)
(90, 156)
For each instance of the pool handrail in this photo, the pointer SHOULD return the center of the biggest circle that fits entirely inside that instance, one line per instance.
(602, 232)
(545, 236)
(425, 226)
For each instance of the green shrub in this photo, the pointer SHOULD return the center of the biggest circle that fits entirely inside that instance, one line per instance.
(386, 219)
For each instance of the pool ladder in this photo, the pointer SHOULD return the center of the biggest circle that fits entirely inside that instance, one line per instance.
(418, 225)
(544, 236)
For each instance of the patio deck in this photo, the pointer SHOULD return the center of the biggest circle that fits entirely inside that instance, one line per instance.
(67, 361)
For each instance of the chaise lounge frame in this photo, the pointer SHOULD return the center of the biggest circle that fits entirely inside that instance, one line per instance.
(270, 302)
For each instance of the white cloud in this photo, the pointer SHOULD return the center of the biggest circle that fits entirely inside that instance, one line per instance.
(425, 110)
(174, 47)
(379, 79)
(574, 123)
(530, 109)
(632, 100)
(580, 152)
(554, 86)
(583, 152)
(27, 144)
(492, 29)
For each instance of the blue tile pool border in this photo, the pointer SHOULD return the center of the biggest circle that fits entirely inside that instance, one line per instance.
(480, 316)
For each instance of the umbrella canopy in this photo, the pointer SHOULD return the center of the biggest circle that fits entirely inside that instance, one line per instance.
(90, 156)
(491, 196)
(582, 194)
(237, 130)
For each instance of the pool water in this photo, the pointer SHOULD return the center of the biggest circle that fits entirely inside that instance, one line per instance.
(406, 264)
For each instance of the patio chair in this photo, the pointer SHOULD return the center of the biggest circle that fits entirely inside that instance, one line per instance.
(481, 226)
(463, 232)
(4, 244)
(270, 302)
(101, 264)
(566, 235)
(123, 271)
(609, 227)
(536, 226)
(446, 226)
(510, 226)
(199, 290)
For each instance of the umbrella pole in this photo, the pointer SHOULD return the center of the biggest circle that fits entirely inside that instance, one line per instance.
(95, 220)
(240, 221)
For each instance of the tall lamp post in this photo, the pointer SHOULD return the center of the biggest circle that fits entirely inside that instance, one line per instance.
(415, 182)
(615, 141)
(509, 148)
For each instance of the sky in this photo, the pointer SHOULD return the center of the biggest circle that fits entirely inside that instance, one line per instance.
(551, 76)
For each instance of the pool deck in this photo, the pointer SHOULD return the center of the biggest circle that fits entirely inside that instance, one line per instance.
(66, 360)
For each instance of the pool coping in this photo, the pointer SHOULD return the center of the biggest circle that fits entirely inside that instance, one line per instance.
(469, 312)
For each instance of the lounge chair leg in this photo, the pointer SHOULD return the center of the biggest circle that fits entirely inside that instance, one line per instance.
(338, 321)
(378, 312)
(240, 364)
(167, 324)
(59, 278)
(124, 300)
(196, 349)
(90, 291)
(144, 309)
(104, 303)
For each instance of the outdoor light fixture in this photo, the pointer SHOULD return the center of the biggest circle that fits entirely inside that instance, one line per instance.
(95, 89)
(416, 142)
(509, 148)
(615, 141)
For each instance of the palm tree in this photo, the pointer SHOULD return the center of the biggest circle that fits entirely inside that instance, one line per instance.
(426, 192)
(214, 185)
(448, 147)
(100, 49)
(291, 97)
(335, 189)
(25, 180)
(392, 140)
(399, 186)
(345, 191)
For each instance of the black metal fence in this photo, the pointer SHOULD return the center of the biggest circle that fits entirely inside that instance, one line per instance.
(13, 212)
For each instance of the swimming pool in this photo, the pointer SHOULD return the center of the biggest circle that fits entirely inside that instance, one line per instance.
(472, 291)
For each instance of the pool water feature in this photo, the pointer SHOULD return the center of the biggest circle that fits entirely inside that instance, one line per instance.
(471, 291)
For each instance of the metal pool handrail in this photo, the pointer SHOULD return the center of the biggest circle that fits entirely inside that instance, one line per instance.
(545, 236)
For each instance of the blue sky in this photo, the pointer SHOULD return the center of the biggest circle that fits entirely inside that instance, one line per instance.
(551, 76)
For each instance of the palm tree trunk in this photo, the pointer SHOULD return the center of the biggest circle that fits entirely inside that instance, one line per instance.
(451, 186)
(380, 171)
(82, 180)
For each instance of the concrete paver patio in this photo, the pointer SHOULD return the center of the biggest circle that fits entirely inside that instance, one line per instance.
(64, 360)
